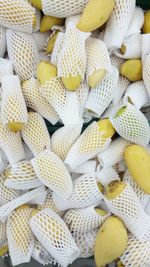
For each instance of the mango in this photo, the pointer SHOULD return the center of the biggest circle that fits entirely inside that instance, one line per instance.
(132, 70)
(45, 72)
(48, 22)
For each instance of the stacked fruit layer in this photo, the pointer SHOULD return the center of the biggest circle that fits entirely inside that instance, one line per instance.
(77, 193)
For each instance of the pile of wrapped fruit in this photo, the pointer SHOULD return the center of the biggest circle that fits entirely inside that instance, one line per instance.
(83, 191)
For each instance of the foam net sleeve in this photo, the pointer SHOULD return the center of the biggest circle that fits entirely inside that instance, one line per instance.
(136, 22)
(54, 235)
(7, 208)
(146, 72)
(2, 41)
(3, 235)
(63, 101)
(11, 144)
(40, 39)
(114, 153)
(89, 144)
(97, 57)
(49, 203)
(116, 61)
(63, 139)
(6, 68)
(82, 96)
(38, 103)
(57, 48)
(63, 9)
(85, 193)
(6, 194)
(101, 96)
(21, 176)
(23, 52)
(88, 166)
(143, 197)
(137, 94)
(83, 220)
(145, 45)
(20, 237)
(132, 125)
(28, 152)
(52, 172)
(72, 58)
(13, 106)
(133, 47)
(85, 242)
(38, 20)
(35, 133)
(118, 23)
(128, 207)
(107, 175)
(136, 252)
(17, 15)
(123, 83)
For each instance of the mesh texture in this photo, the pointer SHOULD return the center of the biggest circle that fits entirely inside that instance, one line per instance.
(3, 236)
(123, 83)
(146, 72)
(136, 22)
(2, 41)
(107, 175)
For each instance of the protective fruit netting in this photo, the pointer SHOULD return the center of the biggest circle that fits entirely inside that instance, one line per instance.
(54, 180)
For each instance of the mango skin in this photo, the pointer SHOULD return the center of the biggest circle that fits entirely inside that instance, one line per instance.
(114, 189)
(51, 43)
(15, 126)
(36, 3)
(137, 159)
(48, 22)
(95, 14)
(106, 127)
(45, 72)
(111, 241)
(132, 70)
(72, 83)
(96, 78)
(146, 25)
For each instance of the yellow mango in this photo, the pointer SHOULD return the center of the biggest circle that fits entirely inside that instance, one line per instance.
(51, 43)
(95, 14)
(146, 25)
(36, 3)
(106, 127)
(45, 71)
(111, 241)
(15, 126)
(137, 159)
(72, 83)
(132, 69)
(48, 22)
(100, 212)
(96, 77)
(3, 250)
(114, 189)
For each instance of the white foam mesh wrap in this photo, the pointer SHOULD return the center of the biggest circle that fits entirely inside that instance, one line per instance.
(53, 173)
(82, 96)
(146, 72)
(7, 208)
(143, 197)
(28, 152)
(136, 21)
(85, 242)
(107, 175)
(116, 61)
(20, 237)
(63, 9)
(85, 193)
(97, 57)
(38, 103)
(40, 39)
(3, 236)
(72, 58)
(54, 235)
(38, 20)
(17, 15)
(22, 176)
(6, 68)
(118, 23)
(11, 144)
(101, 96)
(123, 83)
(74, 19)
(114, 153)
(136, 253)
(49, 203)
(83, 220)
(13, 106)
(101, 35)
(133, 47)
(63, 139)
(128, 207)
(57, 48)
(145, 45)
(23, 52)
(132, 125)
(2, 41)
(63, 101)
(88, 166)
(6, 194)
(89, 144)
(137, 93)
(35, 134)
